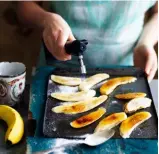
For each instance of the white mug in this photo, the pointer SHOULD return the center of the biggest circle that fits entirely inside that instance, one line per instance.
(12, 82)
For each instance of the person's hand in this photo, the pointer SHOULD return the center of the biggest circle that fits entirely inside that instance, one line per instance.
(145, 57)
(56, 33)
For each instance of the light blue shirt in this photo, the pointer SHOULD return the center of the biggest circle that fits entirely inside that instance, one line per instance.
(112, 29)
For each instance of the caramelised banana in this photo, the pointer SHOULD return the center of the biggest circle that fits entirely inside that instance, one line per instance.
(88, 119)
(81, 106)
(130, 95)
(128, 125)
(111, 84)
(111, 121)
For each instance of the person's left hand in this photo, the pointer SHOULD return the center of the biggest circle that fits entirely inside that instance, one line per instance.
(145, 57)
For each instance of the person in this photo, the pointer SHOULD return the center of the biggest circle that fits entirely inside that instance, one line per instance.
(115, 31)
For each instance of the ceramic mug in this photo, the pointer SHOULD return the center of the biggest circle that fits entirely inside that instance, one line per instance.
(12, 82)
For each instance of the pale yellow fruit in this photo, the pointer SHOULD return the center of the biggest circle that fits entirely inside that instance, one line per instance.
(15, 124)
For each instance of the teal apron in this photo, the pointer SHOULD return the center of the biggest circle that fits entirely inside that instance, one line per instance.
(112, 29)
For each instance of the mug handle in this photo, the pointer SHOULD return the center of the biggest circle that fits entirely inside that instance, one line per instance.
(3, 88)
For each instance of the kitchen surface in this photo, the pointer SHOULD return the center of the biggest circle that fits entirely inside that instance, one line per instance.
(42, 145)
(21, 147)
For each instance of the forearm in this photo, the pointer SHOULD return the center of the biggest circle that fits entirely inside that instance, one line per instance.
(149, 34)
(31, 14)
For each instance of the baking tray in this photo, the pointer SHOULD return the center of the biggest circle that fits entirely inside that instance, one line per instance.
(58, 125)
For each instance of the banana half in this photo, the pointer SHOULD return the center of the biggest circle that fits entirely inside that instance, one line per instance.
(81, 106)
(130, 95)
(137, 104)
(128, 125)
(111, 121)
(15, 124)
(88, 119)
(68, 81)
(111, 84)
(91, 81)
(72, 97)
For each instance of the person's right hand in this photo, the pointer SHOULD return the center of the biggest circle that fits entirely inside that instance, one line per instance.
(56, 33)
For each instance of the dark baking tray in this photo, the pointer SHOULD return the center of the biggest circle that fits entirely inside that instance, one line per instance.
(58, 125)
